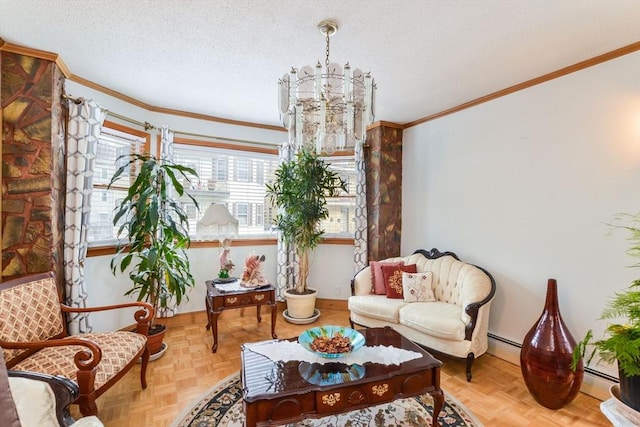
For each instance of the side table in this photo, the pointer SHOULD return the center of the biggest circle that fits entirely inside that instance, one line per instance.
(217, 301)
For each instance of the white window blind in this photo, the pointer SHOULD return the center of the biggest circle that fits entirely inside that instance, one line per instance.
(111, 146)
(341, 221)
(232, 177)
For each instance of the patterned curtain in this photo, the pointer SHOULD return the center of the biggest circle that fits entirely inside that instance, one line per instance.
(286, 262)
(166, 154)
(360, 239)
(85, 124)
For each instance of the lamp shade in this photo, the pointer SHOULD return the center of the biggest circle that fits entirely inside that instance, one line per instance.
(217, 222)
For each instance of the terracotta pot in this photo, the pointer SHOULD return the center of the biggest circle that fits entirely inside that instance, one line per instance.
(545, 358)
(155, 338)
(630, 390)
(301, 306)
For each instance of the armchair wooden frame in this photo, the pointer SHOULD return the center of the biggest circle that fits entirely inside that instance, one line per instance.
(87, 359)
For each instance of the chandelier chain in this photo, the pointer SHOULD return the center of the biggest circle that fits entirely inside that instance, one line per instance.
(326, 60)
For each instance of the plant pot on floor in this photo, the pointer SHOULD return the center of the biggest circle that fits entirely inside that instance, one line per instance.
(301, 306)
(630, 390)
(155, 338)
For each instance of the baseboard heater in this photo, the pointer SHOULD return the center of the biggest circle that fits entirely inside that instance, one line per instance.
(589, 371)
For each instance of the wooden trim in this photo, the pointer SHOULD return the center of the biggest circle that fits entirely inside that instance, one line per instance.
(207, 117)
(334, 304)
(321, 303)
(533, 82)
(337, 241)
(224, 145)
(633, 47)
(54, 57)
(169, 111)
(36, 53)
(197, 244)
(386, 124)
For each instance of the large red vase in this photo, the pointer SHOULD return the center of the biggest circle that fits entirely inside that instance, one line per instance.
(545, 358)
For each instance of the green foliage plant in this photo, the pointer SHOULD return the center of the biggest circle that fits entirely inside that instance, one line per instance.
(622, 340)
(155, 228)
(300, 191)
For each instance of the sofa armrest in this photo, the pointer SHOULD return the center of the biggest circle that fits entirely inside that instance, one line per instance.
(480, 292)
(41, 399)
(362, 282)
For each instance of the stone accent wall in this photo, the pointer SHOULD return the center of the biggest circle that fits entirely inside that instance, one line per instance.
(33, 174)
(383, 158)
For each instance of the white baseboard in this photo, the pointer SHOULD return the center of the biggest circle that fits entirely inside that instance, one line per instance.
(592, 385)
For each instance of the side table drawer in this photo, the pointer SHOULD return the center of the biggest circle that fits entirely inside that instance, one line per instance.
(238, 300)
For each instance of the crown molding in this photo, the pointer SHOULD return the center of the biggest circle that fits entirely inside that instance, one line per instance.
(54, 57)
(625, 50)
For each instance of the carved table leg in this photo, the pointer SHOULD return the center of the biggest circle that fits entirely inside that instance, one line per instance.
(438, 403)
(208, 308)
(214, 329)
(273, 319)
(258, 313)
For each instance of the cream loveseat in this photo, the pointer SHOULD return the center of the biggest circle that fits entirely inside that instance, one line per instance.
(455, 323)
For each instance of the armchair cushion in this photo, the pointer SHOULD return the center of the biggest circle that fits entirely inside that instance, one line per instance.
(118, 349)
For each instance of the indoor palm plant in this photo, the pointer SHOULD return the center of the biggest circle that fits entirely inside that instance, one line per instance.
(155, 230)
(300, 191)
(621, 343)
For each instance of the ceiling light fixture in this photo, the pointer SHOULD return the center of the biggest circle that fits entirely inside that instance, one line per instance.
(327, 109)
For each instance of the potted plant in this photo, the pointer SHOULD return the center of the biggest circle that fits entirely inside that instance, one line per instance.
(155, 227)
(621, 343)
(300, 191)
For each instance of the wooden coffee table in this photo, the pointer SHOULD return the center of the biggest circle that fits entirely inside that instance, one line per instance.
(276, 393)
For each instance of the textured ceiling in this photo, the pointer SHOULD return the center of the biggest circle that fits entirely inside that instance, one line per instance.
(224, 57)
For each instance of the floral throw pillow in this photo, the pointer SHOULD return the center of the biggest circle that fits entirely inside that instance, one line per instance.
(393, 278)
(379, 283)
(416, 287)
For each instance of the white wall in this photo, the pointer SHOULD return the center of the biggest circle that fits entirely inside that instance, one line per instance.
(332, 265)
(525, 186)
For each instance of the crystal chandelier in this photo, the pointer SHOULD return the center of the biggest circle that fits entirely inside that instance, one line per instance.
(329, 108)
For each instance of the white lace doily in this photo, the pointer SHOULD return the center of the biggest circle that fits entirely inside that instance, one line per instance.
(287, 350)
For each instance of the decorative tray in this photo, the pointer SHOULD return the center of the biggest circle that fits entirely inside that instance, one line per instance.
(315, 339)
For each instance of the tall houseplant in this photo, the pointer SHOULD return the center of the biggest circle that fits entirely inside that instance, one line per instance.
(155, 227)
(300, 191)
(621, 343)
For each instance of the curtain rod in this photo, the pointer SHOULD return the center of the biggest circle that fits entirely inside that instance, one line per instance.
(224, 138)
(147, 126)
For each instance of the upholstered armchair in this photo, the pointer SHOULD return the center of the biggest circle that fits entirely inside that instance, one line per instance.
(34, 337)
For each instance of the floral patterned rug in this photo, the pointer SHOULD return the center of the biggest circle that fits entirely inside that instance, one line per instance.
(222, 407)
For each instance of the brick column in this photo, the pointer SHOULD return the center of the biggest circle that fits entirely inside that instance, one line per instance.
(383, 162)
(33, 167)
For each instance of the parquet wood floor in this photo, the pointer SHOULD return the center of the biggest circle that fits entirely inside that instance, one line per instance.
(497, 395)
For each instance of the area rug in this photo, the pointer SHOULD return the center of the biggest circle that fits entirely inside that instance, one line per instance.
(221, 406)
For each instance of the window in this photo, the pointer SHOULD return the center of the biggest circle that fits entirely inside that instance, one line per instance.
(242, 213)
(243, 190)
(115, 140)
(243, 170)
(341, 219)
(259, 209)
